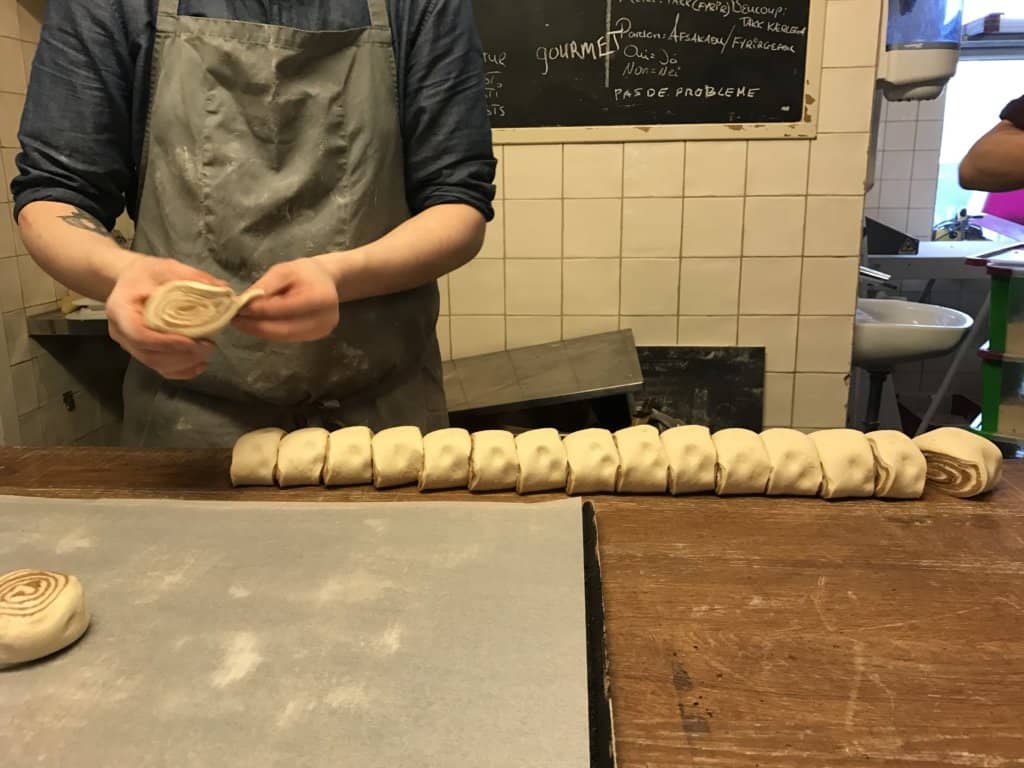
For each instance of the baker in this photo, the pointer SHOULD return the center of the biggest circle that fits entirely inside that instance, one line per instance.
(327, 152)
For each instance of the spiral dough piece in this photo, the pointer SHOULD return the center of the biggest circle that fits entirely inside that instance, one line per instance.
(192, 309)
(40, 613)
(960, 463)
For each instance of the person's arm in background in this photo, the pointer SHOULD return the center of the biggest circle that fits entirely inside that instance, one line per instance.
(449, 166)
(996, 162)
(75, 164)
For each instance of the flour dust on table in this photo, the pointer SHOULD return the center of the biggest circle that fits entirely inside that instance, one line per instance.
(830, 463)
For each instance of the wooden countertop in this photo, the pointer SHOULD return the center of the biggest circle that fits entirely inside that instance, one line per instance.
(780, 633)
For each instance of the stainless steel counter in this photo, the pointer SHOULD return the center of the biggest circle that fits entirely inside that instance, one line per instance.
(57, 324)
(939, 260)
(546, 374)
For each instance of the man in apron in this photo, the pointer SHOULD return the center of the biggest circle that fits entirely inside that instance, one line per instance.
(271, 156)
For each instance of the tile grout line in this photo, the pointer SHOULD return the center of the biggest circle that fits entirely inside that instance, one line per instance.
(682, 228)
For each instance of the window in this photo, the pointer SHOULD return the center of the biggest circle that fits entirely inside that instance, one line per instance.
(991, 73)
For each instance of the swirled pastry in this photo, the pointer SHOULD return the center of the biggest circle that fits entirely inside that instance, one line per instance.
(743, 465)
(643, 465)
(254, 457)
(960, 462)
(593, 461)
(192, 309)
(900, 467)
(847, 463)
(349, 457)
(691, 458)
(493, 463)
(543, 465)
(445, 459)
(40, 613)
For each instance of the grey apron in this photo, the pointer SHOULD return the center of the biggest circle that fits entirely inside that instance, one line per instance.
(266, 144)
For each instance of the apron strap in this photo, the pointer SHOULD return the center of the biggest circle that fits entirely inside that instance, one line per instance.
(166, 15)
(378, 13)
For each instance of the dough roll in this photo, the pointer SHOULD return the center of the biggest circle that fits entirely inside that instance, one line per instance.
(743, 466)
(254, 457)
(349, 459)
(493, 463)
(593, 461)
(691, 457)
(445, 459)
(397, 456)
(193, 309)
(643, 467)
(960, 462)
(41, 612)
(900, 467)
(300, 458)
(796, 467)
(847, 463)
(543, 465)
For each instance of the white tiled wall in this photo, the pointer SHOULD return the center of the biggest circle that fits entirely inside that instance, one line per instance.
(695, 243)
(32, 381)
(907, 166)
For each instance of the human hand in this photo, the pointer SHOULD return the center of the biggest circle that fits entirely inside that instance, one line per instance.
(171, 355)
(300, 303)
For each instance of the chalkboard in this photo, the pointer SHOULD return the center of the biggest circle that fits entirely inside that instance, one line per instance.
(646, 62)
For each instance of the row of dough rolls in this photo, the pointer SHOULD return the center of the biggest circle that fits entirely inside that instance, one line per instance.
(834, 463)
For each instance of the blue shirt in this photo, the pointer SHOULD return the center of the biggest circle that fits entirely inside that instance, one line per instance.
(88, 97)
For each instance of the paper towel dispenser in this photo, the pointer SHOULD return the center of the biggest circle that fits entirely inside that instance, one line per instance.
(920, 48)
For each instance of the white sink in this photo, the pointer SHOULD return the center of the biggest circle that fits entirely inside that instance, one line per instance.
(890, 331)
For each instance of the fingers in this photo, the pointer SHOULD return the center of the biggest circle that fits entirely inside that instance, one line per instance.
(172, 356)
(128, 325)
(184, 374)
(292, 291)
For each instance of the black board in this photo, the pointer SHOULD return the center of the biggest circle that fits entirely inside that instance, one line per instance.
(718, 387)
(643, 62)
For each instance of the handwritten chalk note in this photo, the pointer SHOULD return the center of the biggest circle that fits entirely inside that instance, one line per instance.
(643, 62)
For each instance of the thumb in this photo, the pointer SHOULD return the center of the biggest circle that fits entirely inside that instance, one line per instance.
(275, 283)
(277, 280)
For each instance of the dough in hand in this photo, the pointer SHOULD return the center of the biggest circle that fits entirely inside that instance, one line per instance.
(493, 463)
(40, 613)
(691, 458)
(847, 463)
(397, 456)
(796, 467)
(643, 467)
(960, 462)
(300, 457)
(192, 309)
(543, 465)
(900, 467)
(743, 466)
(254, 457)
(593, 461)
(349, 459)
(445, 459)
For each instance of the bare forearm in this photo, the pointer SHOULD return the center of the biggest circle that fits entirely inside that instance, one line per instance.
(996, 162)
(429, 245)
(73, 247)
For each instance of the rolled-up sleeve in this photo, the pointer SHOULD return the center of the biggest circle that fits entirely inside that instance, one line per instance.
(76, 127)
(446, 131)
